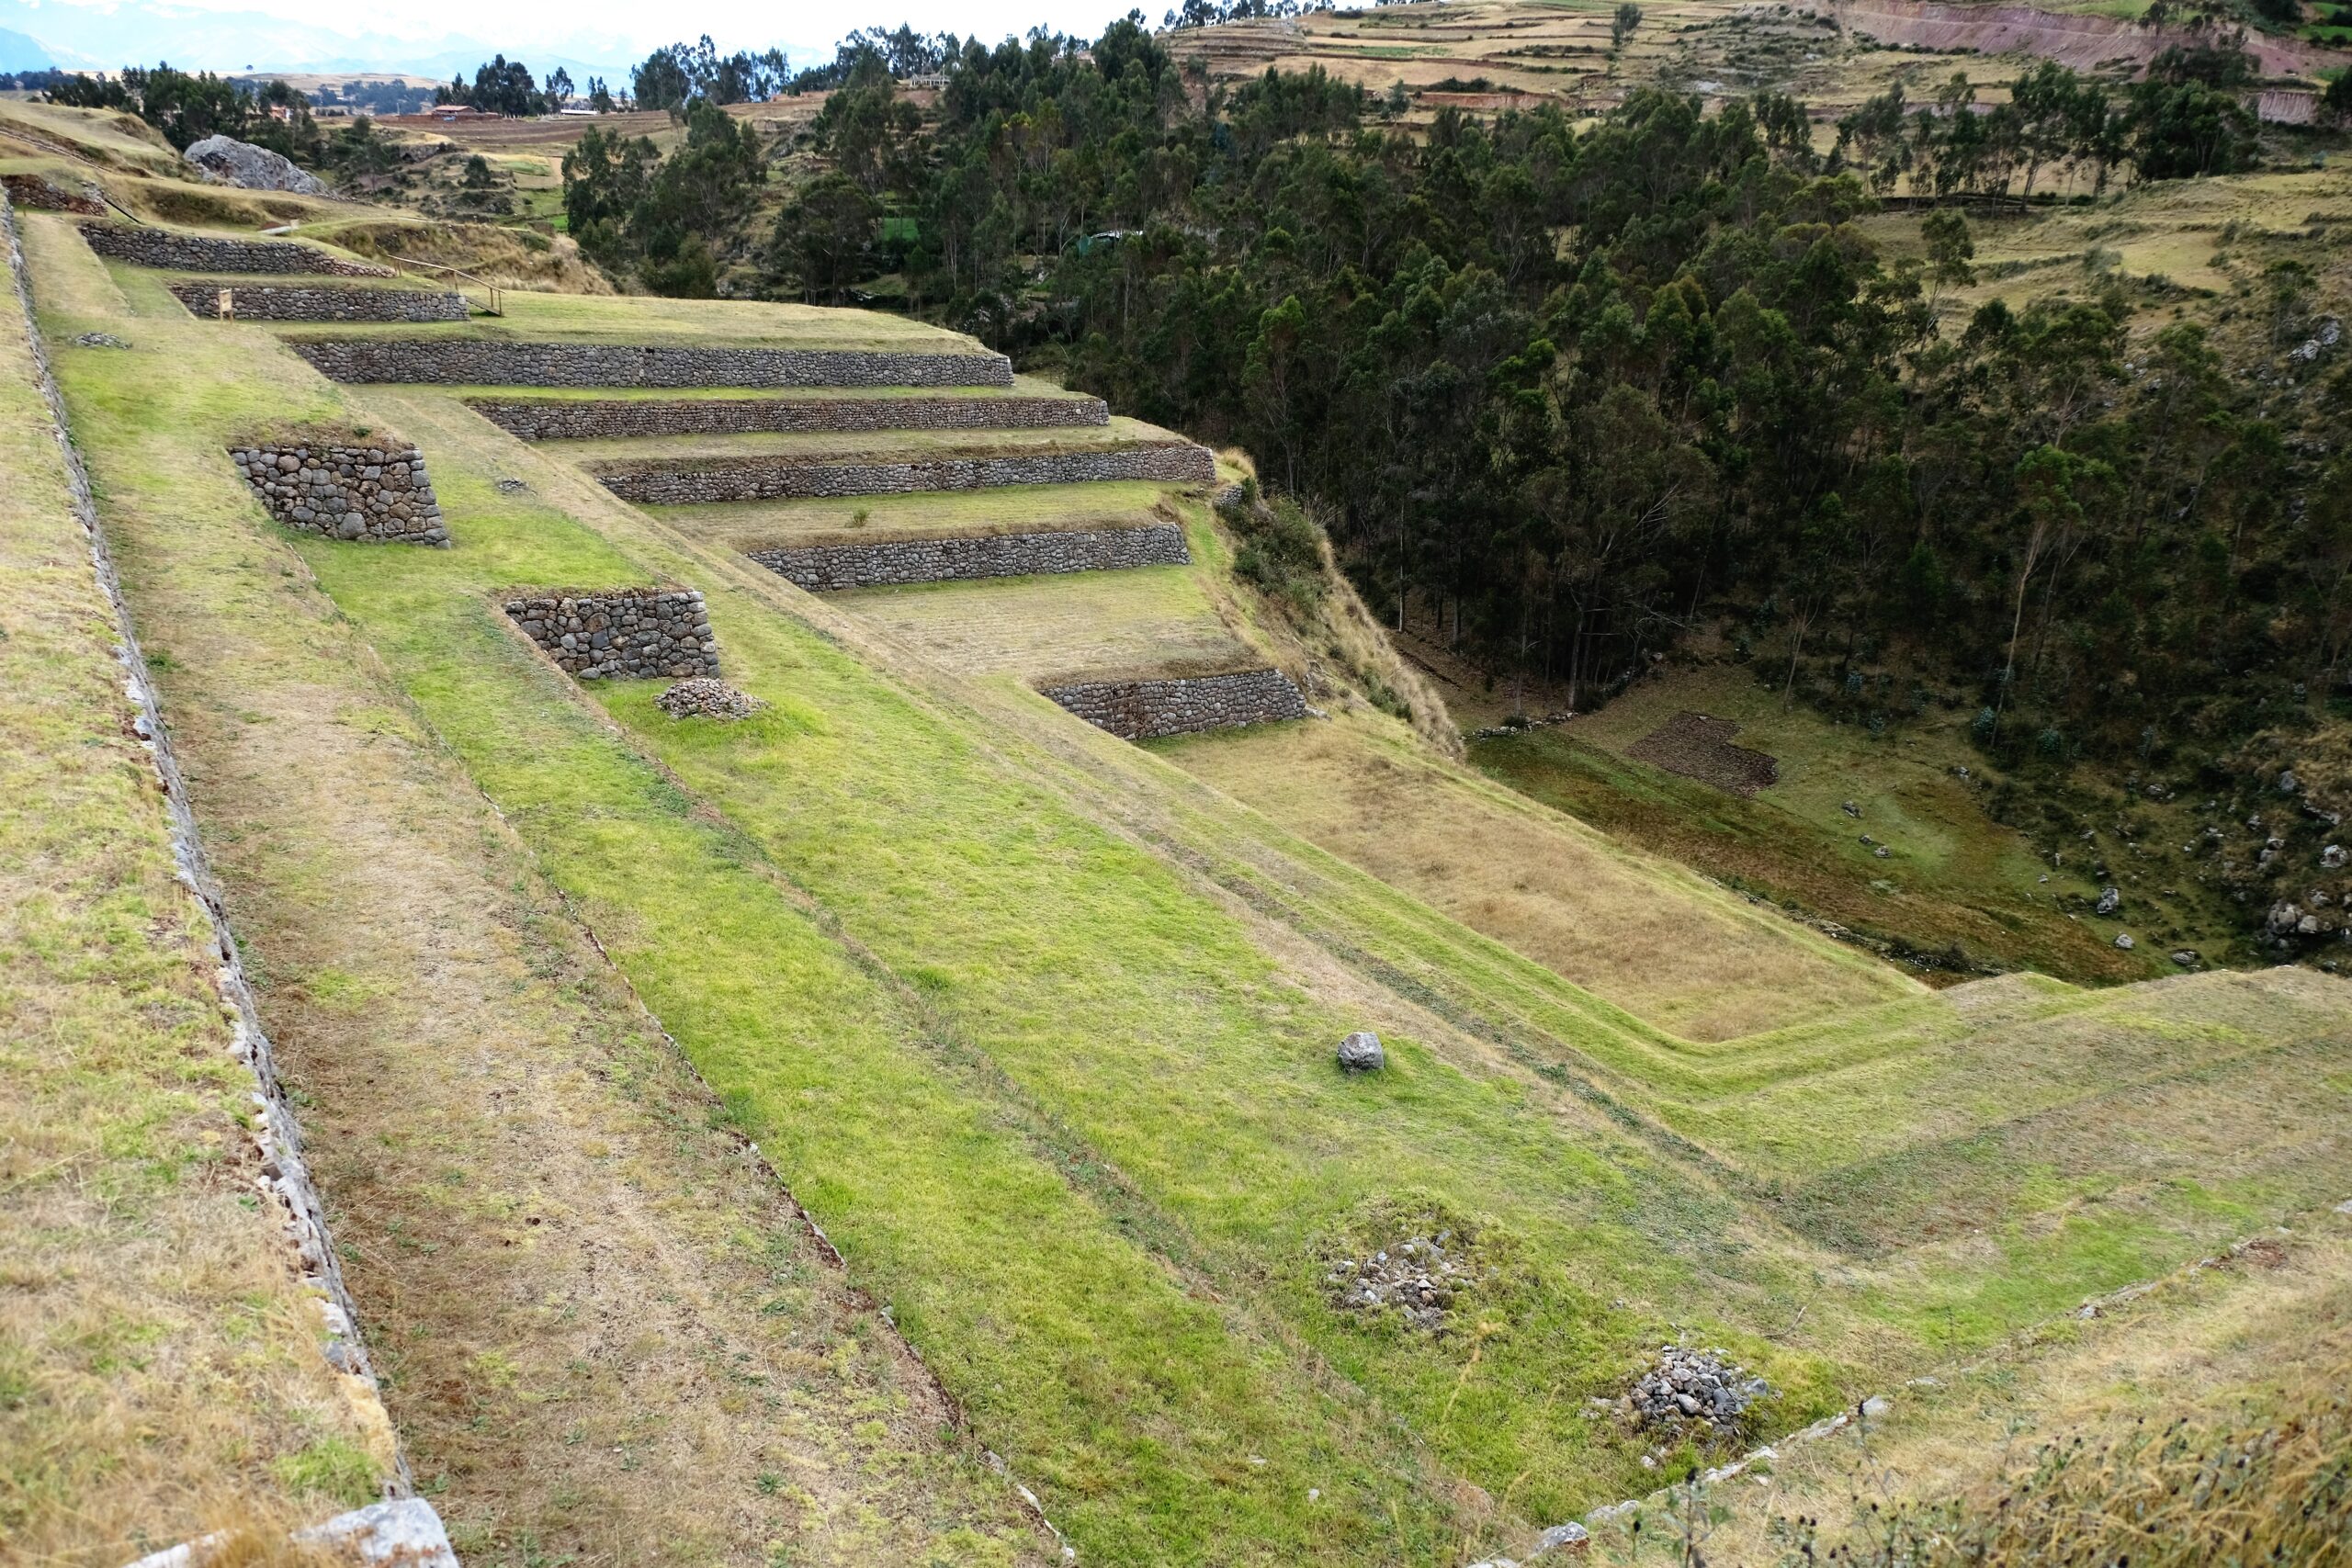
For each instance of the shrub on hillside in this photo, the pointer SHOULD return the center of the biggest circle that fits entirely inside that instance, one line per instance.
(2260, 1490)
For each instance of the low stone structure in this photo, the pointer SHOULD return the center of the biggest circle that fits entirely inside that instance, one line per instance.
(691, 481)
(554, 419)
(306, 302)
(707, 697)
(346, 492)
(1141, 710)
(203, 252)
(621, 633)
(31, 190)
(483, 362)
(825, 568)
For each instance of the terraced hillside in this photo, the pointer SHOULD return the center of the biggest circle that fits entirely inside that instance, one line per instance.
(1486, 55)
(1036, 1024)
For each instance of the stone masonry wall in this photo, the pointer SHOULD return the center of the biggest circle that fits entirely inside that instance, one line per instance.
(1141, 710)
(689, 481)
(303, 302)
(564, 420)
(819, 568)
(346, 492)
(196, 252)
(622, 633)
(482, 362)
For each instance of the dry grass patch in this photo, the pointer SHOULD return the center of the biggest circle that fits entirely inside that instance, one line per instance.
(1637, 931)
(1153, 619)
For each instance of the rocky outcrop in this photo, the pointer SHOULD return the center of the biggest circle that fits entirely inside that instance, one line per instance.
(706, 696)
(1686, 1387)
(202, 252)
(241, 164)
(621, 633)
(824, 567)
(306, 302)
(554, 419)
(691, 481)
(484, 363)
(376, 493)
(1141, 710)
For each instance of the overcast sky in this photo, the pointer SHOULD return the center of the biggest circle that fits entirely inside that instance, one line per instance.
(582, 29)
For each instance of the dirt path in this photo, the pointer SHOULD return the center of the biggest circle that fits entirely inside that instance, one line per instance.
(604, 1335)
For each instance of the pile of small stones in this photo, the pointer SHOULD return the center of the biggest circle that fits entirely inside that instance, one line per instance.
(1419, 1278)
(703, 697)
(1695, 1386)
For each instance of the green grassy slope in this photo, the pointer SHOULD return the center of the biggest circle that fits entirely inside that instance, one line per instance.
(1039, 1028)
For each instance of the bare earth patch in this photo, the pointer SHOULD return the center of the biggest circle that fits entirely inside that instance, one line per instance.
(1697, 747)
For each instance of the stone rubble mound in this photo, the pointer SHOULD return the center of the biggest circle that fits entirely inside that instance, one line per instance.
(1695, 1386)
(1417, 1277)
(241, 164)
(704, 696)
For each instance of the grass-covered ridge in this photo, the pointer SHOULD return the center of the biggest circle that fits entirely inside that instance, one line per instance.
(161, 1365)
(1039, 1027)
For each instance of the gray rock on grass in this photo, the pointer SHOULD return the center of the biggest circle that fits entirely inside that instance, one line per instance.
(241, 164)
(1361, 1052)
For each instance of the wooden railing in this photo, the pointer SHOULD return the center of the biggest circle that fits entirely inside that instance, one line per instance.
(496, 304)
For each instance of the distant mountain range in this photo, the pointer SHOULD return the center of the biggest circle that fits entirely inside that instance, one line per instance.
(95, 38)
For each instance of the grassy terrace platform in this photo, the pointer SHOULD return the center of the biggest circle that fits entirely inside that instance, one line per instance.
(694, 324)
(1022, 387)
(924, 515)
(878, 446)
(1154, 620)
(1039, 1026)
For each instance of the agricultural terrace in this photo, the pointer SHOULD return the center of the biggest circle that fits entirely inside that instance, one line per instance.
(1038, 1027)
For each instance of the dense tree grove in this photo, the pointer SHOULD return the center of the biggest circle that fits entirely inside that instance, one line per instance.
(635, 211)
(1563, 396)
(501, 87)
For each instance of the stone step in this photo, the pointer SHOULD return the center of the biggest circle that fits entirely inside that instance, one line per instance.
(825, 568)
(474, 361)
(1147, 709)
(577, 419)
(690, 481)
(248, 301)
(205, 253)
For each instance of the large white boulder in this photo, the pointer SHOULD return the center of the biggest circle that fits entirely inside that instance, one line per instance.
(236, 163)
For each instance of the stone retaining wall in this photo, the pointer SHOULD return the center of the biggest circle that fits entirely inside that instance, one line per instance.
(819, 568)
(31, 190)
(196, 252)
(303, 302)
(691, 482)
(1141, 710)
(482, 362)
(622, 633)
(346, 492)
(565, 420)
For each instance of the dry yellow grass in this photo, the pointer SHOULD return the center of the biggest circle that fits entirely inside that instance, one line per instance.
(1154, 619)
(1637, 931)
(2258, 1343)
